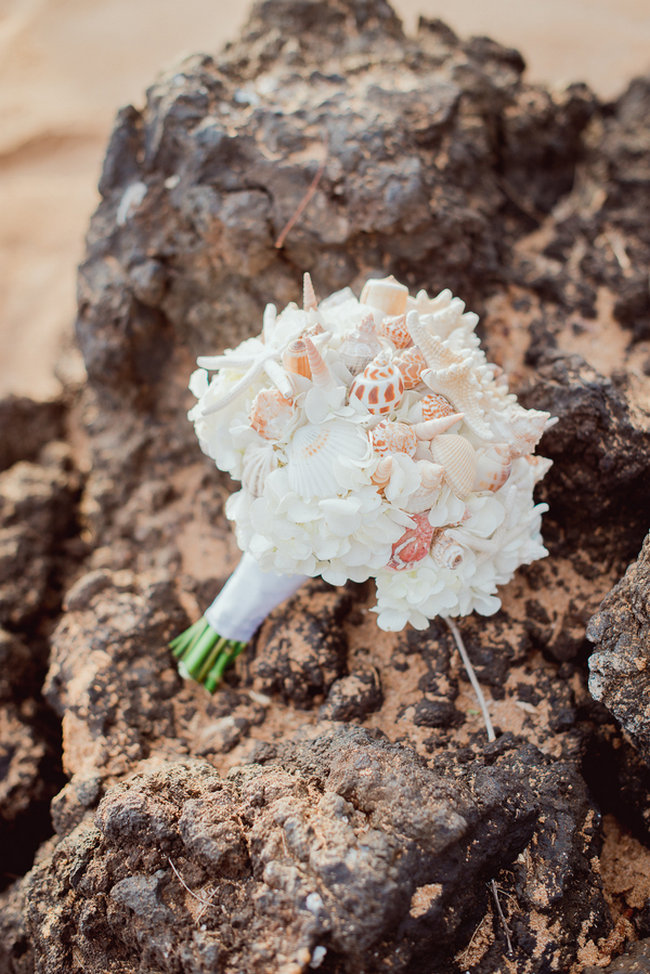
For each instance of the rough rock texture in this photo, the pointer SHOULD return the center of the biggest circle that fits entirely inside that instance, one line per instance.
(338, 791)
(618, 667)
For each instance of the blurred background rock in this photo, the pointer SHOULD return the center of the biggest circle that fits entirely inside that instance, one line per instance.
(67, 65)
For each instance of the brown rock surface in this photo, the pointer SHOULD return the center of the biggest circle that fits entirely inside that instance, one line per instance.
(444, 166)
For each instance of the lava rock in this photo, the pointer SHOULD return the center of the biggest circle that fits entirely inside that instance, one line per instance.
(353, 697)
(620, 630)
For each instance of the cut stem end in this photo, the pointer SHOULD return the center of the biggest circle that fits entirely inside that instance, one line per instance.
(203, 655)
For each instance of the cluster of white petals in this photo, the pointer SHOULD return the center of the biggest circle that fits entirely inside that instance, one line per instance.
(373, 439)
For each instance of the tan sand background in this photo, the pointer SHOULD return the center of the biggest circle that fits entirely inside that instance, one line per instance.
(66, 65)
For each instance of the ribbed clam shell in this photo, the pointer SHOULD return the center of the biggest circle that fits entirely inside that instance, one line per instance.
(414, 544)
(258, 463)
(271, 414)
(385, 293)
(313, 452)
(393, 438)
(395, 330)
(295, 358)
(380, 386)
(411, 364)
(457, 456)
(434, 406)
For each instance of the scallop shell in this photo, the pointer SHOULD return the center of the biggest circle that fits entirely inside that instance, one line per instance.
(395, 330)
(493, 468)
(413, 545)
(393, 438)
(271, 414)
(411, 364)
(385, 293)
(360, 347)
(380, 386)
(457, 456)
(258, 463)
(447, 552)
(314, 451)
(296, 360)
(434, 406)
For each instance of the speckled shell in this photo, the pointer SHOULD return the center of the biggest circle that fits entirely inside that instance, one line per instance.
(414, 544)
(296, 360)
(411, 364)
(314, 451)
(447, 552)
(380, 386)
(271, 414)
(457, 456)
(434, 406)
(493, 468)
(395, 330)
(385, 293)
(258, 464)
(390, 437)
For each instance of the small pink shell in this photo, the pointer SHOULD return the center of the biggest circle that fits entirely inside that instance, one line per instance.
(434, 406)
(411, 364)
(395, 330)
(390, 437)
(414, 544)
(271, 414)
(380, 386)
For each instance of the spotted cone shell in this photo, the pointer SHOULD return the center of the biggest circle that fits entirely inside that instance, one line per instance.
(414, 544)
(457, 456)
(380, 386)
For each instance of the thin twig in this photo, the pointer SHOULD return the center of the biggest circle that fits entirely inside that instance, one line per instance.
(201, 899)
(279, 243)
(453, 628)
(504, 922)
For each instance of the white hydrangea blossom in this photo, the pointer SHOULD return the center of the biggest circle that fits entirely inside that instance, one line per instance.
(317, 496)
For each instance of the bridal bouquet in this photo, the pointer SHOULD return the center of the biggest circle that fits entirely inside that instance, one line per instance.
(372, 439)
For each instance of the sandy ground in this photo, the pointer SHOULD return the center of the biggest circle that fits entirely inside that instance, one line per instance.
(66, 65)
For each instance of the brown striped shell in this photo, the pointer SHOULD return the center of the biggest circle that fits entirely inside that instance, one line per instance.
(380, 386)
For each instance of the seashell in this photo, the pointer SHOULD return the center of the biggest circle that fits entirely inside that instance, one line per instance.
(360, 347)
(320, 374)
(447, 552)
(395, 330)
(385, 293)
(423, 499)
(271, 414)
(314, 451)
(493, 467)
(389, 437)
(434, 406)
(411, 364)
(295, 358)
(413, 545)
(434, 427)
(309, 301)
(457, 456)
(526, 430)
(382, 474)
(258, 463)
(380, 386)
(459, 385)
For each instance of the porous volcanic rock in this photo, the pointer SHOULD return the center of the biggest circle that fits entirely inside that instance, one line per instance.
(438, 162)
(620, 630)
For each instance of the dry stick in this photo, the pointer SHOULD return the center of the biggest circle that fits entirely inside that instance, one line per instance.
(279, 243)
(204, 902)
(469, 669)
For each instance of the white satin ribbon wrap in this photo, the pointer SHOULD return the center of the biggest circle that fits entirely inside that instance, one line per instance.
(247, 598)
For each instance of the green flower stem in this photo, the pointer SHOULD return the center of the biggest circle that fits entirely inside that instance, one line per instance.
(204, 655)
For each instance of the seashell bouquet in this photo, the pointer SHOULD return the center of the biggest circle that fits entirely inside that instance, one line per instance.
(372, 438)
